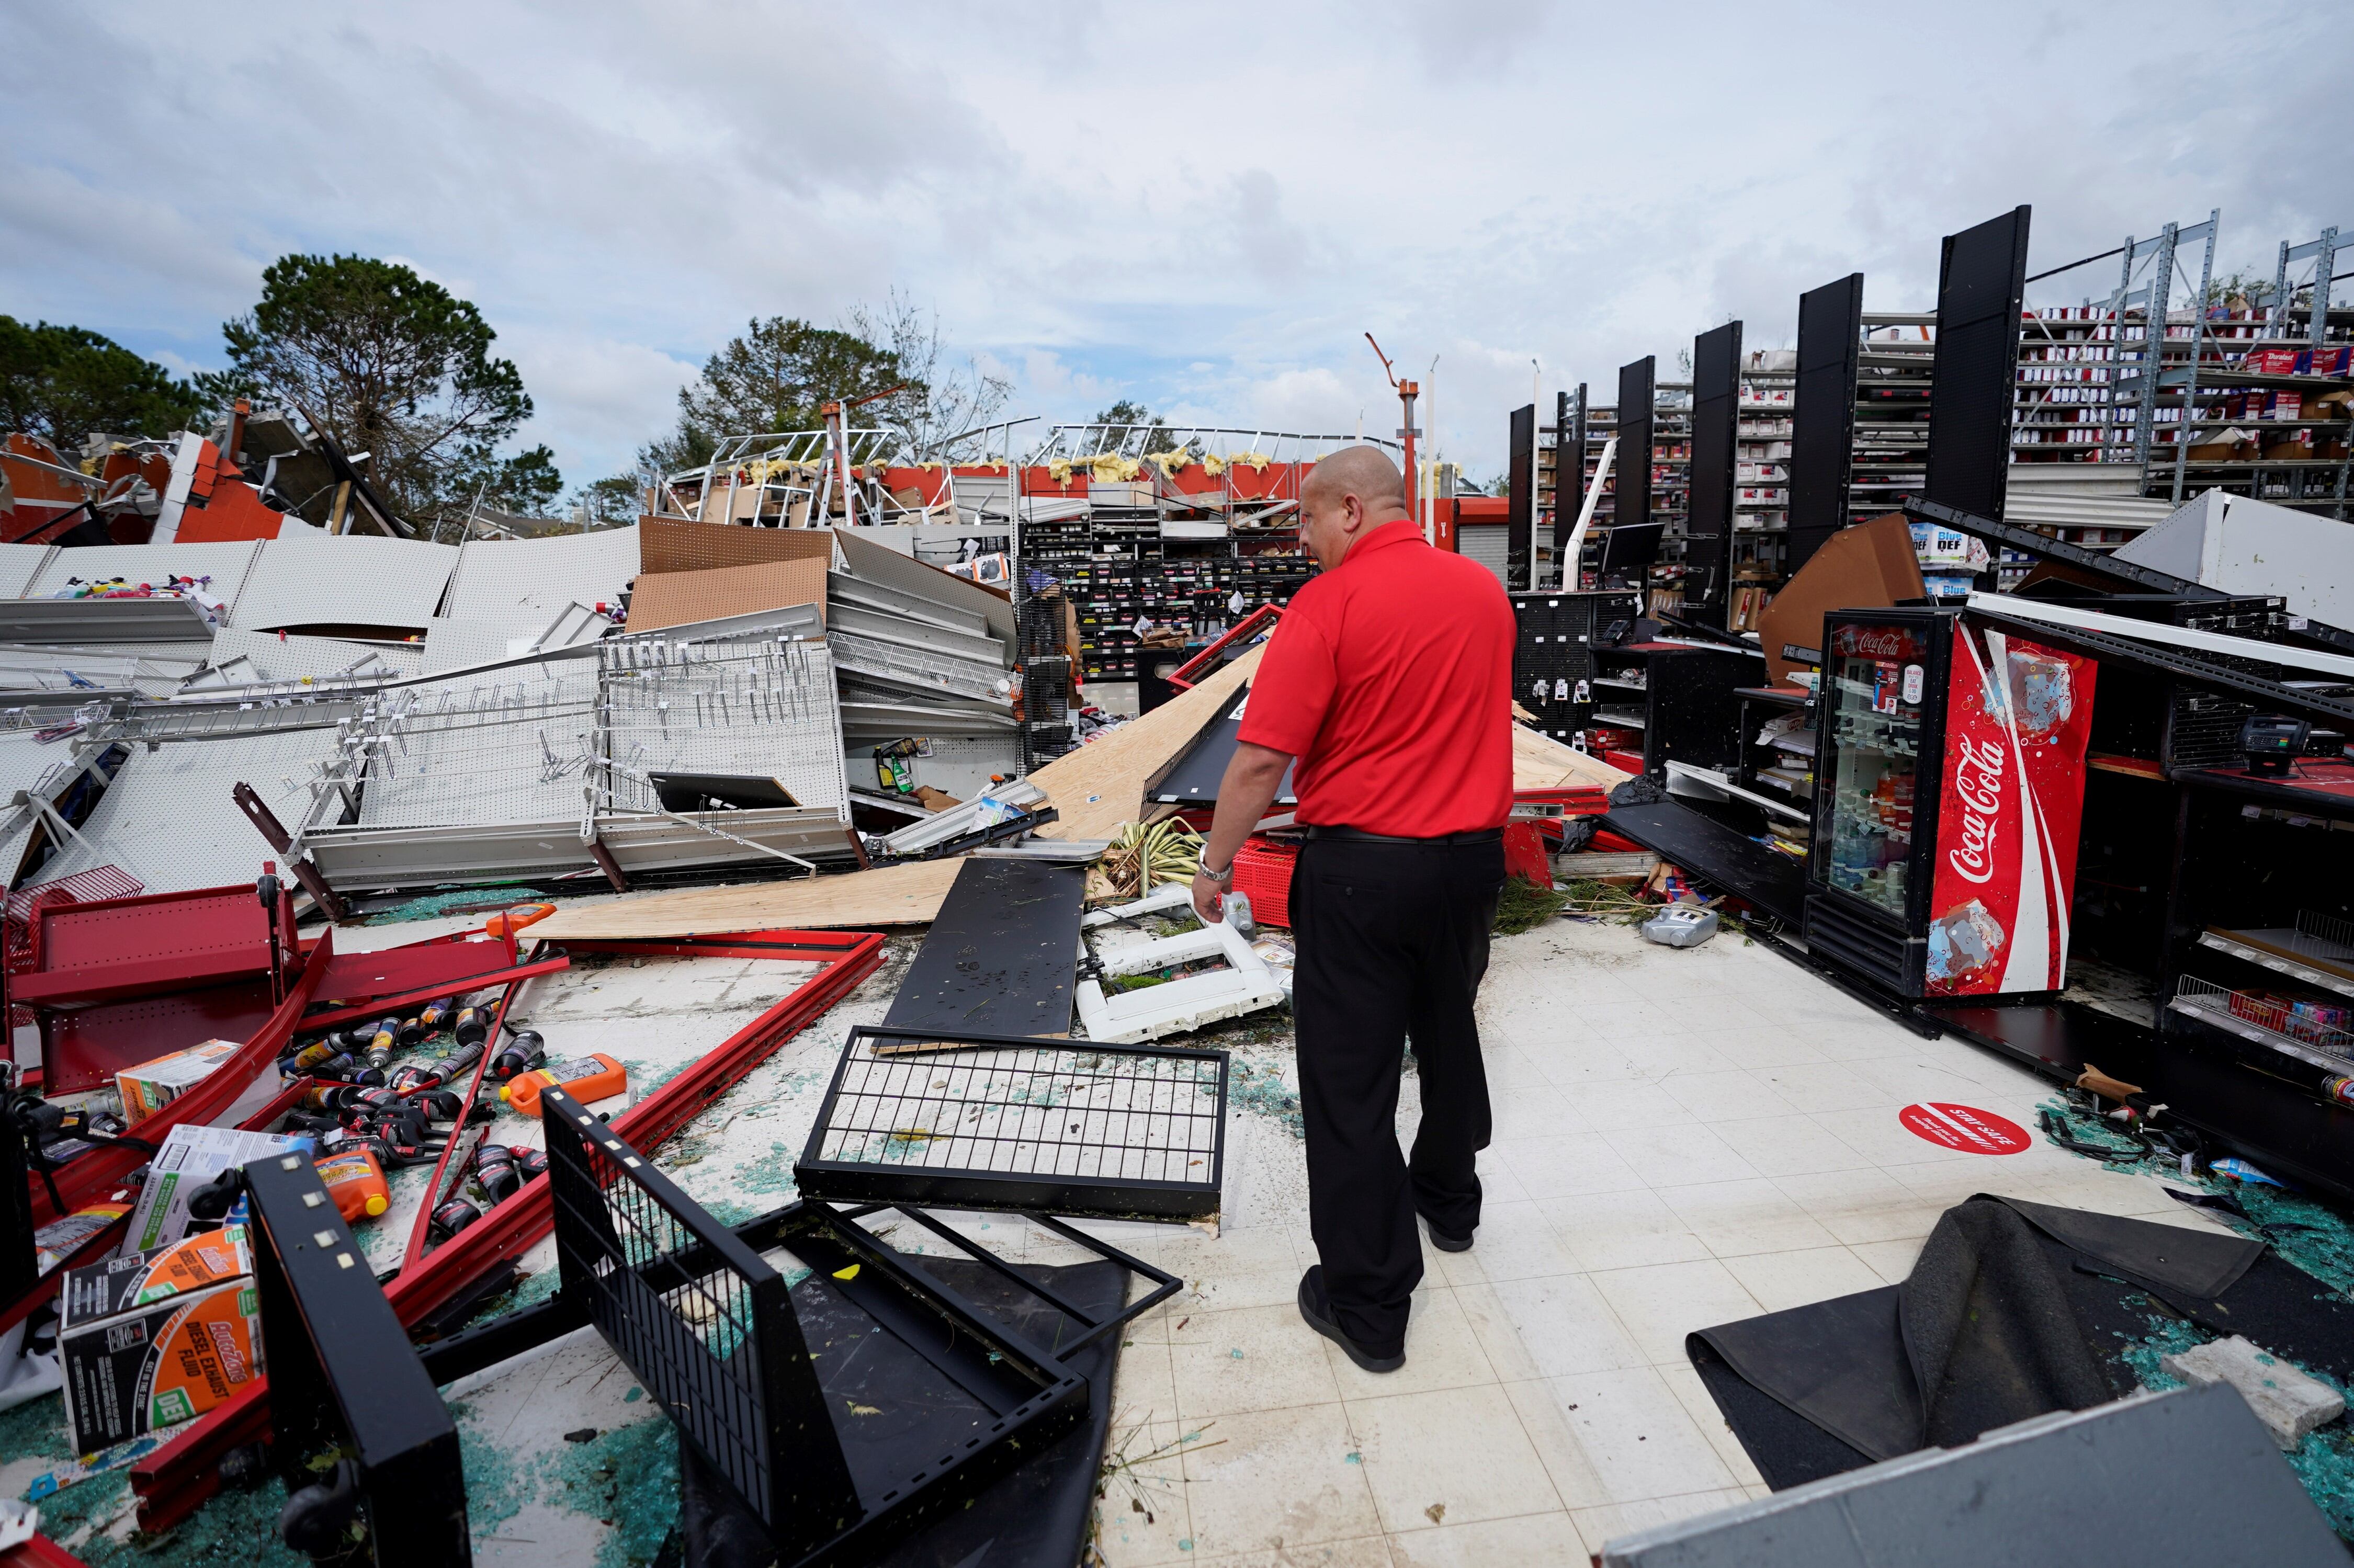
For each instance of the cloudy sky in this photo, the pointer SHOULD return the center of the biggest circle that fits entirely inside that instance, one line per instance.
(1203, 206)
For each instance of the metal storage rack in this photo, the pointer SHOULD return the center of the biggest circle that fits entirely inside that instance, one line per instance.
(1761, 503)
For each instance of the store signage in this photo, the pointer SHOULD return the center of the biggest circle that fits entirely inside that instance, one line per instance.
(1965, 1128)
(2017, 721)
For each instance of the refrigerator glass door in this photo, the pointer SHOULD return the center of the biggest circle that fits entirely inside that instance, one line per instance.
(1878, 675)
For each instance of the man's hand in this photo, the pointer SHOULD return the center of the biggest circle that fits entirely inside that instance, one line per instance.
(1243, 795)
(1207, 890)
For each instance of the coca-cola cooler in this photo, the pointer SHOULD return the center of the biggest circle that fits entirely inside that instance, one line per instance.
(1949, 783)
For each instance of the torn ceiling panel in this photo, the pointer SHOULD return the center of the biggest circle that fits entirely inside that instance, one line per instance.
(361, 581)
(528, 581)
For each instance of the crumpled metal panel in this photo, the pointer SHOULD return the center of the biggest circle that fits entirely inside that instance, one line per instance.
(291, 656)
(357, 579)
(527, 581)
(169, 817)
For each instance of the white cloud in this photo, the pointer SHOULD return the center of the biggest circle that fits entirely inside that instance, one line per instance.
(1205, 215)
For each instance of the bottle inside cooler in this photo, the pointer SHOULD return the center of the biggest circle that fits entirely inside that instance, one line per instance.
(1876, 715)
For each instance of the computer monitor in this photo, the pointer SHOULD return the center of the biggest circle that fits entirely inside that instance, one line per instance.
(1629, 547)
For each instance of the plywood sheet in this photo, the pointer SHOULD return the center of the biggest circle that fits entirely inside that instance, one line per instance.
(1541, 762)
(680, 545)
(680, 598)
(861, 900)
(1101, 785)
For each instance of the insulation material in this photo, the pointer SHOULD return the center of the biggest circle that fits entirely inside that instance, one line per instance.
(679, 598)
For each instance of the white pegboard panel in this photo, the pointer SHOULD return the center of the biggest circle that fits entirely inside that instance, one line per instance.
(291, 656)
(753, 705)
(170, 819)
(354, 580)
(476, 752)
(527, 581)
(227, 565)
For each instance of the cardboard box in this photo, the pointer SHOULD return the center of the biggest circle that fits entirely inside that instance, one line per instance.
(149, 1086)
(136, 1280)
(157, 1366)
(190, 1159)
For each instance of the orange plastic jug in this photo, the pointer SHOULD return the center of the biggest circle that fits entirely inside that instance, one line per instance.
(586, 1078)
(355, 1181)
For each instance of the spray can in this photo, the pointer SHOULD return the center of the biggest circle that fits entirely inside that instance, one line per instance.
(495, 1168)
(325, 1048)
(383, 1043)
(529, 1161)
(2340, 1089)
(435, 1016)
(595, 1076)
(472, 1026)
(453, 1216)
(410, 1079)
(355, 1181)
(524, 1051)
(325, 1097)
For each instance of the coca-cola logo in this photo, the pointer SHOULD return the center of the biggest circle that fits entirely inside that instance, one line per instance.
(1876, 641)
(1977, 785)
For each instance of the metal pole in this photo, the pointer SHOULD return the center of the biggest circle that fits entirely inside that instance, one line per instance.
(2160, 295)
(2324, 262)
(2198, 342)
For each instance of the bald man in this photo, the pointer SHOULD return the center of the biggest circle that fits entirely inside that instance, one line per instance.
(1388, 681)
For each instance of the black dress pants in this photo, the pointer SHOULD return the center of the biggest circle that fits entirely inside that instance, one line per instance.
(1393, 941)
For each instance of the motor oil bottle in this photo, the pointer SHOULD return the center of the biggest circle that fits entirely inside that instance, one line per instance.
(524, 1051)
(529, 1161)
(495, 1169)
(355, 1181)
(453, 1216)
(587, 1078)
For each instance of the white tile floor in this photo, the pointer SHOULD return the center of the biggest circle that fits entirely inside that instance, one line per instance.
(1682, 1138)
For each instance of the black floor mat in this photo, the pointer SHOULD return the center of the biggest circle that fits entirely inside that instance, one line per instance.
(1036, 1514)
(2014, 1309)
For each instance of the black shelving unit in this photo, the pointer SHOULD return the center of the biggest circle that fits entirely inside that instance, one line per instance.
(1557, 637)
(1678, 696)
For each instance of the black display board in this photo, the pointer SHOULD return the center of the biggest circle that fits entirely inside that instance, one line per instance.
(1822, 423)
(1569, 483)
(1715, 424)
(1632, 499)
(1980, 281)
(1521, 500)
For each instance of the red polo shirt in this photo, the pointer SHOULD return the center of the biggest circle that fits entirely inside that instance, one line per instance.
(1389, 678)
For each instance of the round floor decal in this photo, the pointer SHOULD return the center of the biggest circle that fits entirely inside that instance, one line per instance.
(1971, 1130)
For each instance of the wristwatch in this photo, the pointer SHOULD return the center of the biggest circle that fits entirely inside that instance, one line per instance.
(1220, 877)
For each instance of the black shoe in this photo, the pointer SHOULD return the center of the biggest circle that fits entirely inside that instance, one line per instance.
(1318, 1313)
(1444, 1242)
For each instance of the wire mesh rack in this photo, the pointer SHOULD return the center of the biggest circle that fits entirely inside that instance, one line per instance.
(1002, 1122)
(715, 1333)
(2313, 1030)
(698, 1315)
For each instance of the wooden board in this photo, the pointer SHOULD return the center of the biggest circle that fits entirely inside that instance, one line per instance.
(681, 598)
(1101, 785)
(1541, 762)
(861, 900)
